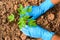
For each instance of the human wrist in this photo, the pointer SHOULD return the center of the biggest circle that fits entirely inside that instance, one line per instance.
(55, 1)
(56, 37)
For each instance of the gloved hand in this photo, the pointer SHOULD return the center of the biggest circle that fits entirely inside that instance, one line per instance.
(38, 32)
(41, 9)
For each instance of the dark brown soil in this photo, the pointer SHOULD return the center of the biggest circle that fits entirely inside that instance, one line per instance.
(11, 31)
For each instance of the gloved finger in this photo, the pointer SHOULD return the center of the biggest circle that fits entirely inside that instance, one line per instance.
(32, 31)
(37, 32)
(25, 30)
(41, 9)
(35, 12)
(46, 5)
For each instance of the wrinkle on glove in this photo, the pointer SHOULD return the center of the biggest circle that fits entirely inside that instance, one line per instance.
(41, 9)
(37, 32)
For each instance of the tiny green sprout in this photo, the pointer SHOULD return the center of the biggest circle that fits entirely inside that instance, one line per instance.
(20, 6)
(25, 17)
(29, 9)
(21, 9)
(21, 23)
(11, 18)
(32, 22)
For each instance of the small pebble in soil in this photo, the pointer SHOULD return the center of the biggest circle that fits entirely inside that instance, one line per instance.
(51, 16)
(7, 38)
(15, 7)
(23, 36)
(45, 22)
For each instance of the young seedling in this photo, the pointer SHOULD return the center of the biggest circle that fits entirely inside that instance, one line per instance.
(21, 10)
(24, 17)
(21, 23)
(32, 23)
(11, 18)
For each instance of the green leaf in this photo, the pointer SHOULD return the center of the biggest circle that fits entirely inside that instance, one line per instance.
(29, 9)
(23, 11)
(20, 26)
(26, 17)
(11, 18)
(21, 22)
(32, 22)
(18, 11)
(21, 7)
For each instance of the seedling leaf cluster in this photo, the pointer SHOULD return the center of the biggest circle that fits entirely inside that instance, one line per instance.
(24, 17)
(11, 17)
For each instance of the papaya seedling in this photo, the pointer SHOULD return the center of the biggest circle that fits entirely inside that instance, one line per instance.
(32, 23)
(11, 18)
(21, 9)
(22, 20)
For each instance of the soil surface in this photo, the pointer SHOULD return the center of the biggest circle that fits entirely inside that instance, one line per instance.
(11, 31)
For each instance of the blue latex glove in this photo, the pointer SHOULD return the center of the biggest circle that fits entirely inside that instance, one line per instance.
(38, 32)
(41, 9)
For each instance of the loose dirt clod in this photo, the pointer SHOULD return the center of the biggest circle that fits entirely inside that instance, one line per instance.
(23, 36)
(51, 16)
